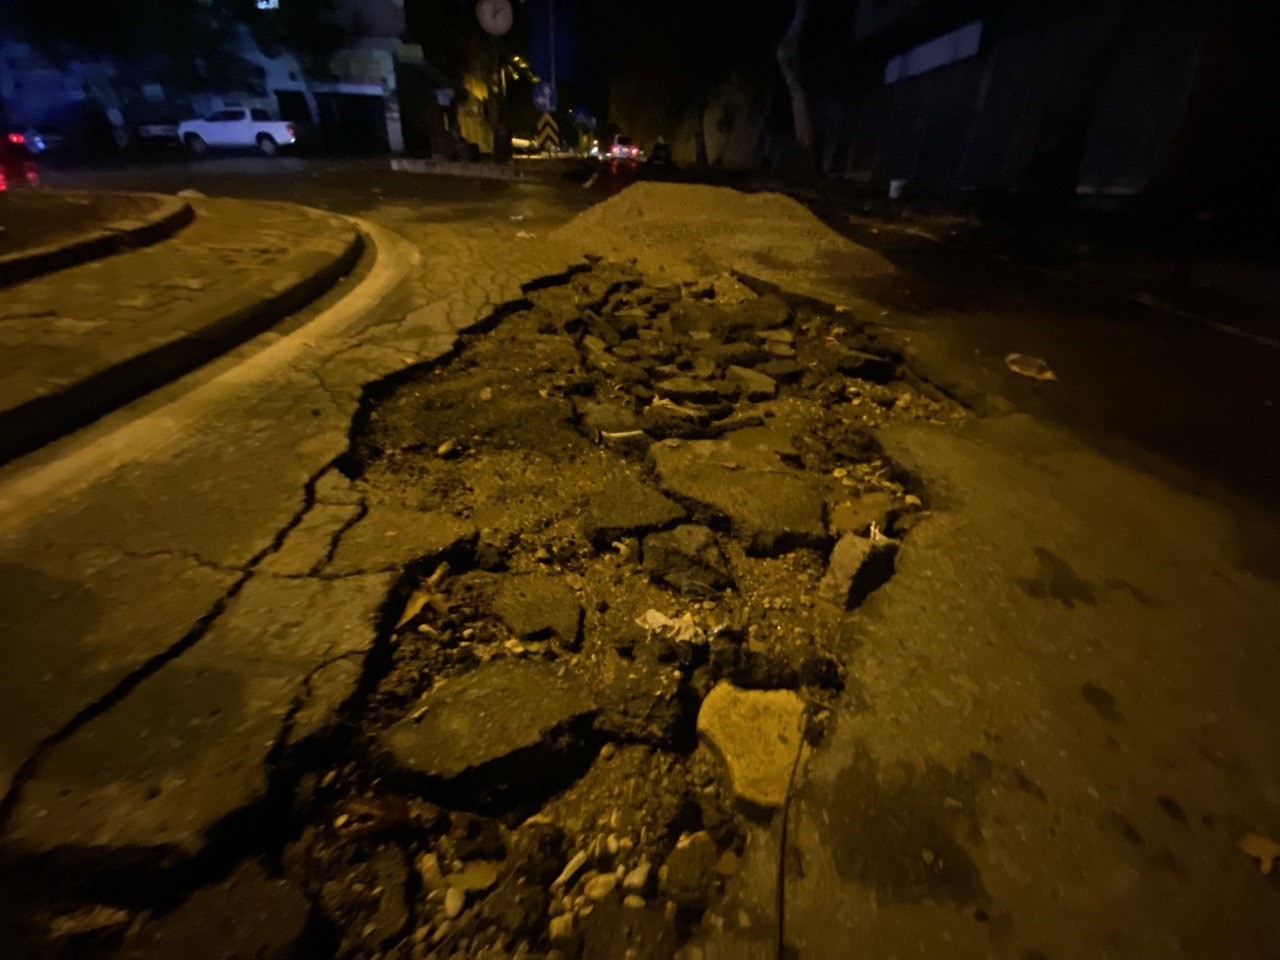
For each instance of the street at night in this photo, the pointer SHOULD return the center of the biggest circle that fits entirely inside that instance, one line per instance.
(745, 523)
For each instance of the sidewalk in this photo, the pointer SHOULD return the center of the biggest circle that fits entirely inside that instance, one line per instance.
(82, 341)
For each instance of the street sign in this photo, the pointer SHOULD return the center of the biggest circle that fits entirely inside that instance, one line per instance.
(548, 137)
(544, 97)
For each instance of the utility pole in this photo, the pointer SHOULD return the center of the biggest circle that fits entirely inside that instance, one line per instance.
(551, 36)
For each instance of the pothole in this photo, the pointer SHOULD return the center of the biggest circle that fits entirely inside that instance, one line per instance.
(657, 491)
(673, 487)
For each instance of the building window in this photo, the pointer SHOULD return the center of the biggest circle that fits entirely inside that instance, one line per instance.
(939, 52)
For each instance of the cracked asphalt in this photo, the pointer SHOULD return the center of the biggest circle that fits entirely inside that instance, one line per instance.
(128, 544)
(1060, 716)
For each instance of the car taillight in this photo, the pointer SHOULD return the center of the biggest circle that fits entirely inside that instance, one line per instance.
(17, 138)
(29, 171)
(289, 128)
(4, 184)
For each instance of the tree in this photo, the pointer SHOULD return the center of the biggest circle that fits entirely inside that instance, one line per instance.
(789, 62)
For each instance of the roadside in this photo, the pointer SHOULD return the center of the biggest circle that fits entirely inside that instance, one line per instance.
(81, 341)
(43, 230)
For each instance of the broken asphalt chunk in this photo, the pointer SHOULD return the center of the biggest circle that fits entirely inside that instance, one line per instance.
(389, 537)
(626, 507)
(539, 608)
(503, 725)
(771, 507)
(857, 566)
(687, 558)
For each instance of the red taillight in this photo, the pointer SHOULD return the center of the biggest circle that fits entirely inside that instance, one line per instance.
(289, 127)
(29, 171)
(17, 138)
(4, 184)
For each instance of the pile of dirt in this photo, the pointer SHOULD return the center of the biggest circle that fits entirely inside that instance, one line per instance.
(654, 475)
(761, 234)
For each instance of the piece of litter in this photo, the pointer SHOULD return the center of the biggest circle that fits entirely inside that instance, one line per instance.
(1028, 366)
(682, 630)
(1263, 849)
(525, 235)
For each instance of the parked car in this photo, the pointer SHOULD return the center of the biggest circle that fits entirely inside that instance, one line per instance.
(237, 128)
(44, 138)
(158, 132)
(17, 166)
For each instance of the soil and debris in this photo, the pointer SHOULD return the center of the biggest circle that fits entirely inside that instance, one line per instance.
(641, 495)
(654, 476)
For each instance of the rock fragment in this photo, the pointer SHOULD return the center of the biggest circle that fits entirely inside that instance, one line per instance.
(857, 566)
(687, 558)
(758, 735)
(771, 507)
(247, 917)
(539, 608)
(751, 383)
(626, 507)
(637, 878)
(505, 721)
(688, 875)
(600, 886)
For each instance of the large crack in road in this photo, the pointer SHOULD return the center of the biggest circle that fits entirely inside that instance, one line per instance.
(623, 531)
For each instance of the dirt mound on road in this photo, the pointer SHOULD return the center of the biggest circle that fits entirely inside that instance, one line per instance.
(685, 231)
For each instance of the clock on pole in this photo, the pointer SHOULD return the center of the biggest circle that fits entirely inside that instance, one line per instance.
(495, 16)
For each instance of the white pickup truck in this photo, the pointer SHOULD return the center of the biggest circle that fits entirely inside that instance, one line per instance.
(237, 128)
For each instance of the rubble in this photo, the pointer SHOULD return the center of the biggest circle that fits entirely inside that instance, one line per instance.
(539, 608)
(626, 507)
(502, 721)
(249, 915)
(858, 565)
(689, 559)
(758, 735)
(615, 931)
(687, 877)
(770, 506)
(635, 486)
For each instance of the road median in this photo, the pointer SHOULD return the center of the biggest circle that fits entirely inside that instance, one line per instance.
(93, 225)
(88, 339)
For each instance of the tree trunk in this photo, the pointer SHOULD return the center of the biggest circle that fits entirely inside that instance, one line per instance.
(700, 132)
(789, 61)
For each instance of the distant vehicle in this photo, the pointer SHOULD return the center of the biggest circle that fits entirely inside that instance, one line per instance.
(624, 148)
(44, 138)
(158, 132)
(523, 146)
(17, 166)
(237, 128)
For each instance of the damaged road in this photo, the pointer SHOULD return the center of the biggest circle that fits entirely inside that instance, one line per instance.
(506, 618)
(650, 609)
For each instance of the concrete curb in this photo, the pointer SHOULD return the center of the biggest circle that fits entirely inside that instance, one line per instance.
(171, 215)
(455, 168)
(235, 318)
